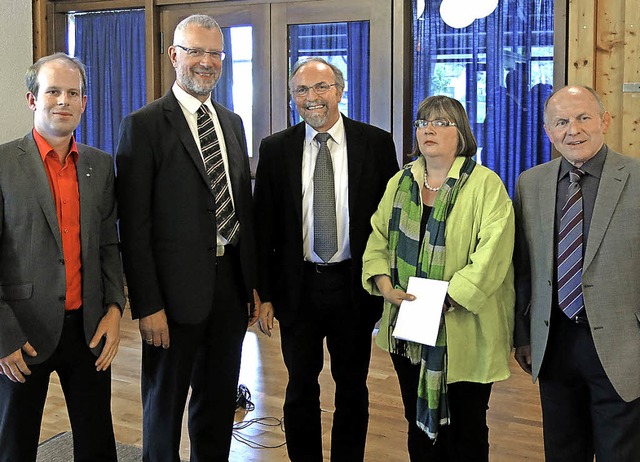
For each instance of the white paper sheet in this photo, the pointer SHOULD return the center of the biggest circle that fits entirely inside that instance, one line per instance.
(419, 320)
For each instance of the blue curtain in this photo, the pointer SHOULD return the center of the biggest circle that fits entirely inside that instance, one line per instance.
(112, 46)
(223, 92)
(497, 55)
(343, 44)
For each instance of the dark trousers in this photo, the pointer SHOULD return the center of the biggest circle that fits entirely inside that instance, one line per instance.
(327, 312)
(205, 357)
(87, 393)
(466, 438)
(582, 414)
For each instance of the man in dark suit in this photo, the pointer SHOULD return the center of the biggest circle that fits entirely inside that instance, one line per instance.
(61, 287)
(311, 268)
(186, 225)
(577, 315)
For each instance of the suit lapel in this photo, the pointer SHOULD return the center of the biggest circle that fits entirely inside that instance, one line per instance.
(612, 182)
(235, 152)
(356, 158)
(294, 144)
(30, 160)
(85, 175)
(176, 119)
(547, 191)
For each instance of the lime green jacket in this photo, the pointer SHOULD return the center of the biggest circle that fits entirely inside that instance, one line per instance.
(479, 242)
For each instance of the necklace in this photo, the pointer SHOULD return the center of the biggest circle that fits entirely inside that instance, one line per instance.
(428, 186)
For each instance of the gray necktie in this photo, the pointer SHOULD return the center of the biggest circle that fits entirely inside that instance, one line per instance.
(325, 232)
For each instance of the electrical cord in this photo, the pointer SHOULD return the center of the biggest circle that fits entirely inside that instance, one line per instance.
(243, 401)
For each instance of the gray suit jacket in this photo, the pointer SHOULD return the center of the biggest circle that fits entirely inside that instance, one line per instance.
(610, 269)
(32, 273)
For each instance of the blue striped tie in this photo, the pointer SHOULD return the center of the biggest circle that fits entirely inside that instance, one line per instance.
(226, 220)
(570, 246)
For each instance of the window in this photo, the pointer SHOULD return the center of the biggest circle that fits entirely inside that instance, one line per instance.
(500, 68)
(111, 44)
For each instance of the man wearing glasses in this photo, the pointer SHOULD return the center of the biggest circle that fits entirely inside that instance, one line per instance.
(317, 185)
(186, 222)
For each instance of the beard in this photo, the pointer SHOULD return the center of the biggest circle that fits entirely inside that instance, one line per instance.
(315, 119)
(193, 84)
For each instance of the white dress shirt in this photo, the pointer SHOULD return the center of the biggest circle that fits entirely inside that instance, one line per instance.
(190, 105)
(338, 148)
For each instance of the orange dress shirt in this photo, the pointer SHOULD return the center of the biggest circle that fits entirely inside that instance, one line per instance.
(64, 188)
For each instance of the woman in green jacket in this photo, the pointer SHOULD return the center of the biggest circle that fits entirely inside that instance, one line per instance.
(445, 217)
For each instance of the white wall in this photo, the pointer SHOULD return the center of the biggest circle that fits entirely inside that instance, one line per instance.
(16, 55)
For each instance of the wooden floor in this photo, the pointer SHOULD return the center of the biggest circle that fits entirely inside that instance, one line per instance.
(514, 415)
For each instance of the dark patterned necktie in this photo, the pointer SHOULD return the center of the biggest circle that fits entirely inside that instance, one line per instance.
(570, 247)
(325, 231)
(226, 220)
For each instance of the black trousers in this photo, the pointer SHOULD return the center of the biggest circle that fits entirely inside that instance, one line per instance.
(466, 438)
(205, 357)
(87, 394)
(582, 414)
(327, 312)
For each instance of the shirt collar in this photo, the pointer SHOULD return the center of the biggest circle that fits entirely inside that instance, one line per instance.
(189, 102)
(44, 148)
(336, 132)
(592, 167)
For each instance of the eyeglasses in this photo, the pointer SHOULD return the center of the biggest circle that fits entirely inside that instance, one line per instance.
(197, 53)
(318, 88)
(436, 123)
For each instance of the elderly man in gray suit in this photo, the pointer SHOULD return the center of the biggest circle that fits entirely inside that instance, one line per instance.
(61, 284)
(578, 295)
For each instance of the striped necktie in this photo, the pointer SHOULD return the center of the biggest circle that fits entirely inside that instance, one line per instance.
(226, 220)
(325, 230)
(570, 247)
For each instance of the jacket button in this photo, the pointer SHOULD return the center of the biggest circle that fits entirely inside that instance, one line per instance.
(62, 298)
(549, 282)
(546, 322)
(61, 261)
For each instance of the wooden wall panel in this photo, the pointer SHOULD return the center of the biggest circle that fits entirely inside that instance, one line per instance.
(610, 53)
(581, 42)
(630, 139)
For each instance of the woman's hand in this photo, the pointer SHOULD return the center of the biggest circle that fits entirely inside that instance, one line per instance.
(394, 296)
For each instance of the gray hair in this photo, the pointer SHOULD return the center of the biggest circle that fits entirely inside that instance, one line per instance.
(337, 73)
(200, 20)
(31, 77)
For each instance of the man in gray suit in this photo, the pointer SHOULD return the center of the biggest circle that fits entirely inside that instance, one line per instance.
(578, 298)
(61, 283)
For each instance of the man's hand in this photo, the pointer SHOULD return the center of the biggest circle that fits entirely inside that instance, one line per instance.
(154, 329)
(13, 365)
(523, 356)
(109, 328)
(255, 313)
(266, 318)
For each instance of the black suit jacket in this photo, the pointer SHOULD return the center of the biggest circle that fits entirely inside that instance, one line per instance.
(32, 273)
(167, 211)
(278, 200)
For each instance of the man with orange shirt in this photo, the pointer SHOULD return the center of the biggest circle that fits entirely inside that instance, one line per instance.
(61, 290)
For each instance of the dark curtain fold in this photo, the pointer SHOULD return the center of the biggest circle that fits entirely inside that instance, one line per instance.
(358, 70)
(112, 47)
(496, 50)
(347, 41)
(223, 92)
